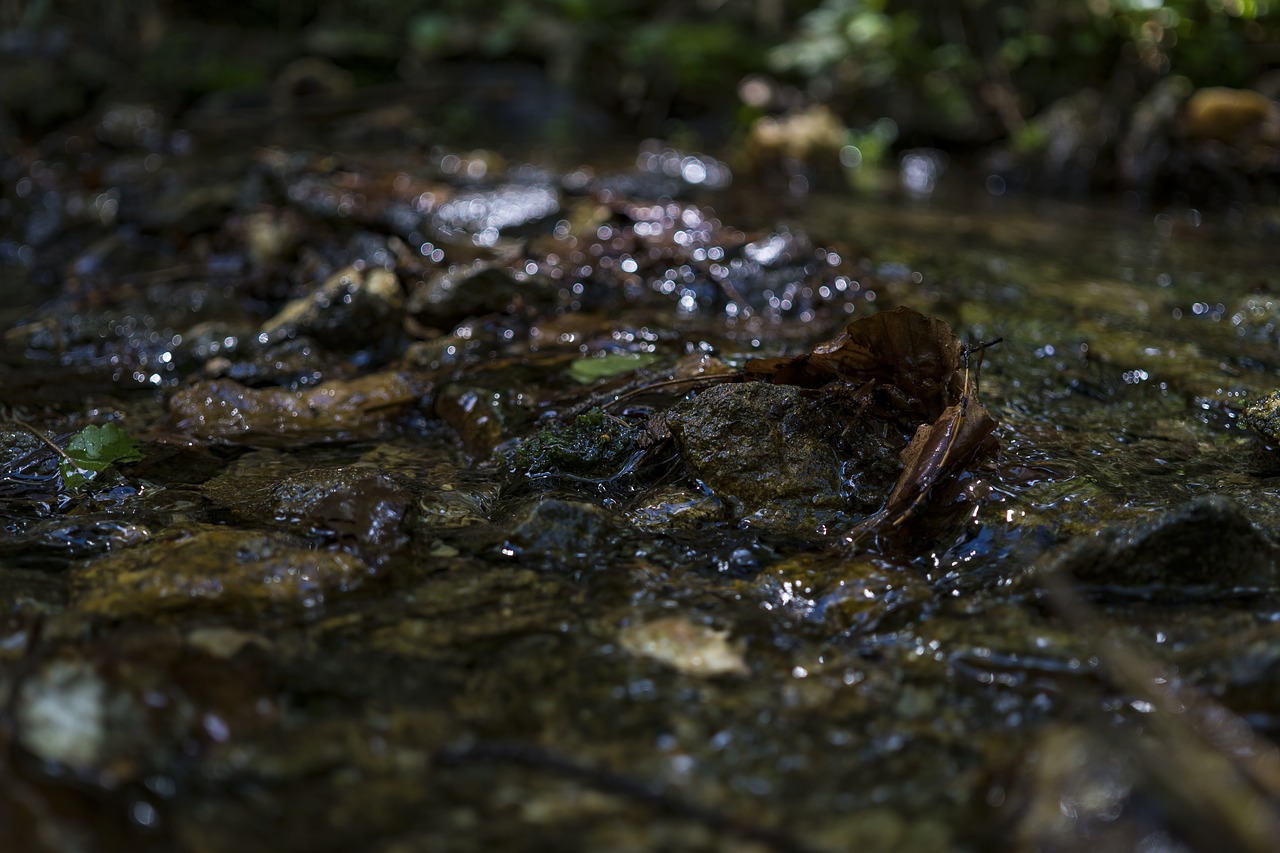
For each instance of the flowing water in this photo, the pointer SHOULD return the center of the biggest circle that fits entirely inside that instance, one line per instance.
(211, 650)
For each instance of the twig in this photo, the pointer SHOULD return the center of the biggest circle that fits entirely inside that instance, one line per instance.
(40, 435)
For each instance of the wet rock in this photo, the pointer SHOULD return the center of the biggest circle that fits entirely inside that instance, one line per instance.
(594, 445)
(848, 595)
(561, 530)
(362, 509)
(781, 457)
(799, 150)
(450, 611)
(1062, 145)
(458, 293)
(483, 416)
(307, 80)
(783, 274)
(1076, 789)
(292, 362)
(23, 591)
(117, 712)
(661, 172)
(63, 714)
(126, 332)
(358, 508)
(225, 643)
(272, 235)
(677, 507)
(213, 567)
(685, 646)
(1263, 417)
(450, 508)
(132, 125)
(1207, 548)
(446, 353)
(353, 309)
(224, 409)
(215, 339)
(1143, 151)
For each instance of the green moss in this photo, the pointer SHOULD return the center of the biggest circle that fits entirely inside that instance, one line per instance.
(1263, 416)
(595, 444)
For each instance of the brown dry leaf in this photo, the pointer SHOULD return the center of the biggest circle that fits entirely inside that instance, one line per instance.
(916, 371)
(913, 361)
(961, 437)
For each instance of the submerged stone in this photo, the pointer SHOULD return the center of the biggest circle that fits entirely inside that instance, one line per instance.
(484, 416)
(458, 293)
(354, 308)
(678, 508)
(451, 509)
(851, 596)
(223, 408)
(359, 508)
(1077, 788)
(685, 646)
(63, 715)
(561, 529)
(213, 567)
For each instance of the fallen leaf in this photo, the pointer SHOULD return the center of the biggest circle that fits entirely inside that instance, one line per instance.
(914, 363)
(916, 373)
(92, 450)
(588, 370)
(939, 450)
(685, 647)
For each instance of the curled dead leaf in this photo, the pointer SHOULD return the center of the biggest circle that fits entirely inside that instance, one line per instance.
(916, 372)
(914, 362)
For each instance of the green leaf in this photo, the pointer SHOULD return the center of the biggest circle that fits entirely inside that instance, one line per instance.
(92, 450)
(588, 370)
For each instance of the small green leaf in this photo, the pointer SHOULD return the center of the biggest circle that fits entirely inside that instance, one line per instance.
(92, 449)
(588, 370)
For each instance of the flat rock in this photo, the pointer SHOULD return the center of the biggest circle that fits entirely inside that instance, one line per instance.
(213, 567)
(782, 456)
(1205, 548)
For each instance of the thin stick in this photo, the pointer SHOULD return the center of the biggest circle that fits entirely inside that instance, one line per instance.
(691, 381)
(40, 435)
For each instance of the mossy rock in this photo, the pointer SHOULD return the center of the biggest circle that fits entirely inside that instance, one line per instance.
(784, 457)
(593, 445)
(210, 568)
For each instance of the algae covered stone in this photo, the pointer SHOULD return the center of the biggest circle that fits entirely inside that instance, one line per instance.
(213, 567)
(1263, 417)
(1207, 548)
(594, 444)
(781, 455)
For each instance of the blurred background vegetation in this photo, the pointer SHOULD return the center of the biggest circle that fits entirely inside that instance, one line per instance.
(958, 76)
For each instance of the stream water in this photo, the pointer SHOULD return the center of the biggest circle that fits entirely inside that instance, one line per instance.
(374, 635)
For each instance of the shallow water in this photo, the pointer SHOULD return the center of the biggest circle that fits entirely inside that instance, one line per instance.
(477, 687)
